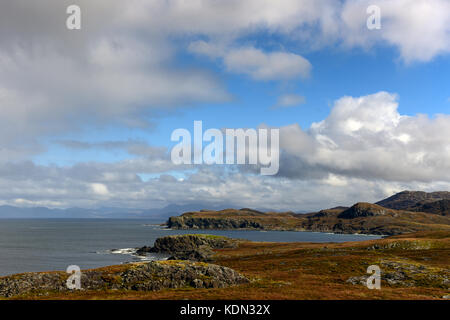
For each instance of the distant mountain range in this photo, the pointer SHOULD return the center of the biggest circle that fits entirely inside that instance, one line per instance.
(7, 211)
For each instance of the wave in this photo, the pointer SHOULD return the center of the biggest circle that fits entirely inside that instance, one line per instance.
(123, 251)
(133, 252)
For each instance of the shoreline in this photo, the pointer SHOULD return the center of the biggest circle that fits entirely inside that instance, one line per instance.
(97, 255)
(279, 230)
(132, 251)
(274, 270)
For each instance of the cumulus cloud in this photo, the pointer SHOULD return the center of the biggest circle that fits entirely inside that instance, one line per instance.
(121, 66)
(363, 151)
(366, 137)
(420, 29)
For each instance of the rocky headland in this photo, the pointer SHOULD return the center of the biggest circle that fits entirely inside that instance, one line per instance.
(402, 213)
(194, 247)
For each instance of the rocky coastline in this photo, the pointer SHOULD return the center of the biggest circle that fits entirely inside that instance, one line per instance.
(413, 266)
(186, 268)
(361, 218)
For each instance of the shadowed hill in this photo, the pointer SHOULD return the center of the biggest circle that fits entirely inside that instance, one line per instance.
(419, 201)
(441, 207)
(407, 200)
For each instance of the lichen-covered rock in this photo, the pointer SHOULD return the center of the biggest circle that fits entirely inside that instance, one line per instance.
(406, 274)
(179, 274)
(148, 276)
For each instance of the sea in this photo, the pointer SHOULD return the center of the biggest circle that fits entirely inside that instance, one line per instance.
(32, 245)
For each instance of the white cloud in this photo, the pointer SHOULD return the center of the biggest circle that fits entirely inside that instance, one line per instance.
(68, 187)
(289, 100)
(27, 203)
(120, 67)
(100, 189)
(420, 29)
(334, 180)
(56, 81)
(334, 162)
(254, 62)
(367, 138)
(267, 66)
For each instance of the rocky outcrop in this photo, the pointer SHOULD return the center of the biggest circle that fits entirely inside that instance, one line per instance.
(363, 209)
(212, 223)
(190, 247)
(405, 274)
(148, 276)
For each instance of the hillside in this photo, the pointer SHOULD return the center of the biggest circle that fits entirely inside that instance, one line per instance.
(363, 218)
(373, 219)
(441, 207)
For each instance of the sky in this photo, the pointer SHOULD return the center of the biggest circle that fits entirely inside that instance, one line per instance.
(87, 115)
